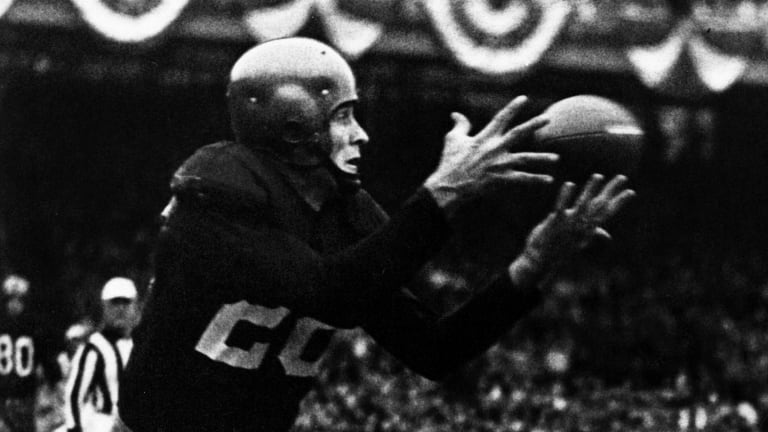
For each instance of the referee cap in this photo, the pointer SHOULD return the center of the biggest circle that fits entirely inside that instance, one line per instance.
(119, 287)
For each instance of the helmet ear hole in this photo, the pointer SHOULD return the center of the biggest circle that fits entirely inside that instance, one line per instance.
(294, 132)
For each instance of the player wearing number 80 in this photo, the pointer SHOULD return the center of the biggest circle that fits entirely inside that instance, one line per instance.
(24, 346)
(269, 243)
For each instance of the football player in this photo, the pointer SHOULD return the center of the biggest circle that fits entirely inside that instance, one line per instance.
(269, 244)
(26, 350)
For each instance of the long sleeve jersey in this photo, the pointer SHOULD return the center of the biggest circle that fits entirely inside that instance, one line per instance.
(25, 346)
(253, 275)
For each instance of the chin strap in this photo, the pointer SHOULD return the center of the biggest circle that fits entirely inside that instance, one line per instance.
(348, 183)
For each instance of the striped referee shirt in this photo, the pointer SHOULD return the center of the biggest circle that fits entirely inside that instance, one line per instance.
(93, 383)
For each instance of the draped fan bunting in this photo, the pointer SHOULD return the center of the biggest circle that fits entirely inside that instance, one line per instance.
(352, 35)
(686, 64)
(278, 20)
(130, 20)
(4, 5)
(495, 40)
(690, 51)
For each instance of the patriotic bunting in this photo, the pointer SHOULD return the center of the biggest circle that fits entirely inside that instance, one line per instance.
(350, 34)
(278, 20)
(494, 40)
(130, 20)
(698, 50)
(686, 64)
(4, 6)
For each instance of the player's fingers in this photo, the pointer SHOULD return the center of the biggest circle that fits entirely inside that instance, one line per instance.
(461, 124)
(550, 219)
(534, 159)
(501, 162)
(602, 234)
(564, 197)
(589, 191)
(529, 161)
(613, 187)
(617, 203)
(519, 134)
(501, 120)
(522, 178)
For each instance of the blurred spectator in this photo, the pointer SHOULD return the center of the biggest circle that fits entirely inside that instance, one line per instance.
(26, 350)
(92, 387)
(76, 335)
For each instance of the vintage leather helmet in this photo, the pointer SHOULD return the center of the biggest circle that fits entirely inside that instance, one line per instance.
(282, 94)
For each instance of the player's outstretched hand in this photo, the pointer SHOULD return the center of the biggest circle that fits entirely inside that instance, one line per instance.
(572, 224)
(470, 165)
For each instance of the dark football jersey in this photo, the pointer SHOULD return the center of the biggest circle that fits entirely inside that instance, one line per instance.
(23, 347)
(239, 349)
(253, 274)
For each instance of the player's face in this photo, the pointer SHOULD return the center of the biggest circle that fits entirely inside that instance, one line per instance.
(346, 136)
(14, 306)
(120, 314)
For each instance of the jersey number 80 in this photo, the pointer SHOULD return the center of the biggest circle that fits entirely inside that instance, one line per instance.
(16, 355)
(213, 344)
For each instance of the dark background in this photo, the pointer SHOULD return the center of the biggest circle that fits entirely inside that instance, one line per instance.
(676, 304)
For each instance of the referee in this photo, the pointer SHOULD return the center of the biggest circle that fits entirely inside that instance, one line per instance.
(92, 388)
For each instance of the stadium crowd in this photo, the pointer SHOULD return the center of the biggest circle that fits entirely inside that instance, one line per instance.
(609, 350)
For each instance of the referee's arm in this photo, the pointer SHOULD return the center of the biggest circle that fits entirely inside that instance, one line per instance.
(78, 383)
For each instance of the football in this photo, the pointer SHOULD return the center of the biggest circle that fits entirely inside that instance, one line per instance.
(591, 134)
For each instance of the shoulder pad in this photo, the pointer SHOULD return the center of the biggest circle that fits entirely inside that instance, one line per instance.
(222, 170)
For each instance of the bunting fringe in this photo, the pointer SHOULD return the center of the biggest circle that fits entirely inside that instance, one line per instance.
(494, 38)
(123, 27)
(4, 6)
(467, 39)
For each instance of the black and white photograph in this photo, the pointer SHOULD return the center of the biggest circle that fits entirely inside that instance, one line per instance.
(383, 215)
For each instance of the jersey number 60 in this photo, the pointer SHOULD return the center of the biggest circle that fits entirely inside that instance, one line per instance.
(213, 344)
